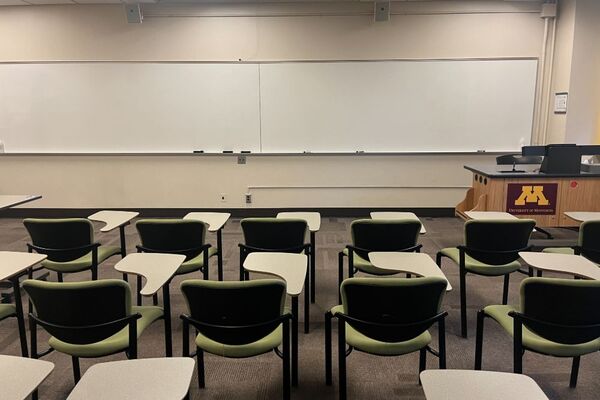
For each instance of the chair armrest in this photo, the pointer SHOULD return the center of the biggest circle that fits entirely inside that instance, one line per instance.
(524, 319)
(199, 324)
(124, 320)
(251, 249)
(468, 249)
(403, 250)
(431, 320)
(198, 249)
(46, 250)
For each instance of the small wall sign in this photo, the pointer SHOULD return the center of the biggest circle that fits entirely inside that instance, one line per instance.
(560, 102)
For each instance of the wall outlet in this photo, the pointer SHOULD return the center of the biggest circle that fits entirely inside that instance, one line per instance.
(241, 159)
(248, 198)
(223, 197)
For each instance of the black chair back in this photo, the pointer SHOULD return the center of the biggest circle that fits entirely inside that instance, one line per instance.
(394, 309)
(274, 234)
(60, 238)
(80, 312)
(179, 236)
(497, 242)
(589, 240)
(384, 235)
(562, 310)
(235, 312)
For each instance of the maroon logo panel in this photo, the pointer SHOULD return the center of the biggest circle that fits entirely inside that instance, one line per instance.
(531, 198)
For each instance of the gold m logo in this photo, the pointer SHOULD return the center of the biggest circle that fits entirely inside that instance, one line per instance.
(532, 194)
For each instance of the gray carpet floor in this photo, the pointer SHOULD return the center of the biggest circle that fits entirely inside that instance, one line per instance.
(369, 377)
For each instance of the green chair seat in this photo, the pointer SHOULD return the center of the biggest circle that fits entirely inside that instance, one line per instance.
(82, 263)
(537, 343)
(372, 346)
(195, 263)
(261, 346)
(477, 267)
(365, 265)
(559, 250)
(114, 344)
(7, 310)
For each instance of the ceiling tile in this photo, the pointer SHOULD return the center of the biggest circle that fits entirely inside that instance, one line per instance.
(12, 3)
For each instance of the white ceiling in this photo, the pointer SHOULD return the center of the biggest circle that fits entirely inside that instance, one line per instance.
(46, 2)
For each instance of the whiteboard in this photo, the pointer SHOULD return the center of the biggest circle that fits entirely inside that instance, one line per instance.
(384, 106)
(288, 107)
(129, 107)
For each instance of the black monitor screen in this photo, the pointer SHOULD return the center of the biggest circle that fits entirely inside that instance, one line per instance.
(562, 159)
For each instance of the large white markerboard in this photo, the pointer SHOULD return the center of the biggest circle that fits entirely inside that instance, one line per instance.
(398, 105)
(378, 106)
(129, 107)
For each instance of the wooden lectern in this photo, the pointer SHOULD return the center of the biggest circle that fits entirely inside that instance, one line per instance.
(539, 196)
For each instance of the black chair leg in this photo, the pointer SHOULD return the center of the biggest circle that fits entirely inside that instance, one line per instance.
(442, 343)
(59, 276)
(340, 275)
(139, 288)
(286, 361)
(155, 299)
(200, 357)
(313, 260)
(22, 336)
(479, 340)
(463, 304)
(574, 372)
(242, 258)
(518, 347)
(342, 358)
(422, 361)
(328, 367)
(505, 289)
(545, 232)
(76, 369)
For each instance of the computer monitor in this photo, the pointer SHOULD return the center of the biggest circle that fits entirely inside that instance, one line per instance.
(561, 159)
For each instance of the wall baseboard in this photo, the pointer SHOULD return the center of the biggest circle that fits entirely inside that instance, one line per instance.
(235, 212)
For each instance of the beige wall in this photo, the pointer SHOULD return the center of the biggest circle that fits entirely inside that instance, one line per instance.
(274, 181)
(313, 31)
(584, 93)
(561, 74)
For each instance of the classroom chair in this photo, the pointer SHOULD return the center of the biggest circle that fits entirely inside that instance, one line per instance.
(491, 249)
(557, 317)
(285, 235)
(87, 319)
(588, 243)
(377, 235)
(386, 317)
(69, 244)
(176, 236)
(244, 319)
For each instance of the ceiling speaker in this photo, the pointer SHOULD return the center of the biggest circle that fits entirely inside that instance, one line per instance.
(382, 11)
(134, 13)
